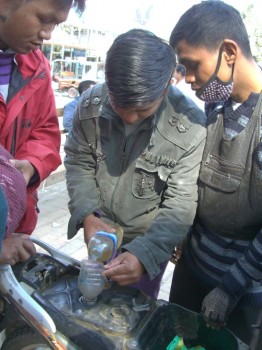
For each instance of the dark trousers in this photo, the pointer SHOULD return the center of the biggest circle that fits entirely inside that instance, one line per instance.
(151, 287)
(189, 292)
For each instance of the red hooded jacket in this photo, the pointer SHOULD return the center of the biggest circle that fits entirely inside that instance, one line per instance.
(29, 125)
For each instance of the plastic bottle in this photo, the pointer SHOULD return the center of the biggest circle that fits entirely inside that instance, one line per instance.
(90, 281)
(103, 245)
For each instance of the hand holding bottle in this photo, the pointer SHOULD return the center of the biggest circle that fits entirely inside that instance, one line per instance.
(93, 224)
(125, 269)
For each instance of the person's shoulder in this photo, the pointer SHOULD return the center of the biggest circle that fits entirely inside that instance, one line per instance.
(91, 101)
(33, 56)
(32, 61)
(72, 103)
(94, 95)
(184, 105)
(188, 92)
(181, 121)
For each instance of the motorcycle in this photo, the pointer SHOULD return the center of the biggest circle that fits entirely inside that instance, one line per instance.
(42, 307)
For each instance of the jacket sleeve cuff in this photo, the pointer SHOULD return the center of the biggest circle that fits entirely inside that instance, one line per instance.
(233, 285)
(141, 249)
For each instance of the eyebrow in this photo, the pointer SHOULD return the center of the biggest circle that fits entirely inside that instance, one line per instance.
(186, 60)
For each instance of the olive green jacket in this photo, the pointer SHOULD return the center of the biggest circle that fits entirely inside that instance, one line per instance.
(146, 182)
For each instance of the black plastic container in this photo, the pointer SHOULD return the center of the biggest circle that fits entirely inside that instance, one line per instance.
(170, 320)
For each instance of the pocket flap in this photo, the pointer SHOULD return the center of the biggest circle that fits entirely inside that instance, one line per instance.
(222, 175)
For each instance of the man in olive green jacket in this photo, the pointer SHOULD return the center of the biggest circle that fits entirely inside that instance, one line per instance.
(133, 158)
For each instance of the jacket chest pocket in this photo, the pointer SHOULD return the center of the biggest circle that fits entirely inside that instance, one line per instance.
(221, 174)
(149, 179)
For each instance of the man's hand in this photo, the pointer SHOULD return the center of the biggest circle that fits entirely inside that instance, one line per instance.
(16, 248)
(25, 167)
(216, 307)
(125, 269)
(92, 224)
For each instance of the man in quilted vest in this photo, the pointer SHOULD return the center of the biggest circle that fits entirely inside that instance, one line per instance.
(220, 271)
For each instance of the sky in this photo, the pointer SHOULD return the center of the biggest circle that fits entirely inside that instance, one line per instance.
(121, 15)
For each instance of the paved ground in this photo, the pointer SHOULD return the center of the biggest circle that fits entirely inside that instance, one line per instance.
(52, 228)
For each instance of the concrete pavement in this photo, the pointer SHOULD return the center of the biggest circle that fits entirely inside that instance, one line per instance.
(52, 227)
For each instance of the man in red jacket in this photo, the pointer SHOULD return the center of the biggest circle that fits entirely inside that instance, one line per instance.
(28, 120)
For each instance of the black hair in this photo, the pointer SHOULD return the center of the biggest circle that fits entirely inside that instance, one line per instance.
(84, 85)
(138, 68)
(180, 68)
(78, 5)
(208, 24)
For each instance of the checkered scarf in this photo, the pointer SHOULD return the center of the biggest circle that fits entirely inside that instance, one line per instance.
(14, 188)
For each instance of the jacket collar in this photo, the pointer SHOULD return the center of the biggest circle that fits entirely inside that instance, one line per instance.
(29, 63)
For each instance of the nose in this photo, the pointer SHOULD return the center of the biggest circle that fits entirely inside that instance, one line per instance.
(190, 78)
(190, 75)
(129, 117)
(45, 34)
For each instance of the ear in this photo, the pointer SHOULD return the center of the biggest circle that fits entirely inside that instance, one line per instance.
(230, 50)
(166, 89)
